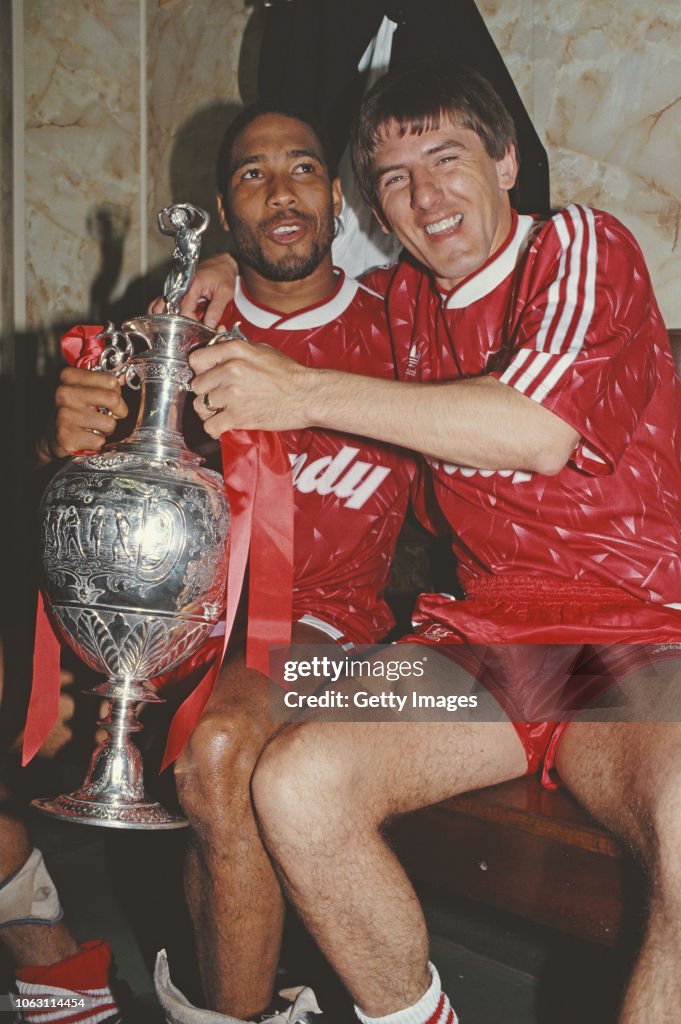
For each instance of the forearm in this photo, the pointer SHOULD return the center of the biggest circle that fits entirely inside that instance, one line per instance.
(477, 422)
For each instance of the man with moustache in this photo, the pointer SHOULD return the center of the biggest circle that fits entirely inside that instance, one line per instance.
(537, 379)
(277, 199)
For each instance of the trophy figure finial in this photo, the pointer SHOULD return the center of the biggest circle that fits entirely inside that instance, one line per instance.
(187, 223)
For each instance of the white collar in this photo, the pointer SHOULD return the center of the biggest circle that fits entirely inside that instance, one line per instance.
(302, 320)
(494, 272)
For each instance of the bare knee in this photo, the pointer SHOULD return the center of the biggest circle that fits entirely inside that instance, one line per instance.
(216, 766)
(303, 788)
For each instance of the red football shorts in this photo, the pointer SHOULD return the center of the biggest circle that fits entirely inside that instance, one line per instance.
(546, 648)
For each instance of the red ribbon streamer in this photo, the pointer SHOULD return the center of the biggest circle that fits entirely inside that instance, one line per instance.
(270, 592)
(258, 485)
(43, 706)
(240, 468)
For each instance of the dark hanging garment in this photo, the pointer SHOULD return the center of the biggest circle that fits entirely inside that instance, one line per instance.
(309, 58)
(311, 49)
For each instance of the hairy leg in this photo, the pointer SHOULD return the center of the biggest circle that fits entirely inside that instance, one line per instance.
(233, 893)
(628, 775)
(28, 945)
(323, 791)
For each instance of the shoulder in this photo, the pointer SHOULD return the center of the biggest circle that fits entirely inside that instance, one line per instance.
(588, 265)
(585, 248)
(377, 280)
(405, 286)
(406, 273)
(585, 228)
(229, 313)
(364, 344)
(367, 304)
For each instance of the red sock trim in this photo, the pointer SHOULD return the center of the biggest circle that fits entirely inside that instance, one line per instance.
(438, 1011)
(443, 1007)
(88, 968)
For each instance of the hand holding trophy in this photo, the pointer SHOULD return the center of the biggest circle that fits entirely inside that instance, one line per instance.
(134, 545)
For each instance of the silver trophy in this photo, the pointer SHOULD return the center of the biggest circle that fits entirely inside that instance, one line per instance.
(134, 546)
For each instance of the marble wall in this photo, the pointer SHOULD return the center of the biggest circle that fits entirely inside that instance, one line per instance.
(122, 103)
(6, 212)
(195, 87)
(602, 81)
(81, 148)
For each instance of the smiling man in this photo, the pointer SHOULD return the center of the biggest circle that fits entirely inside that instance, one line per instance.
(418, 178)
(537, 379)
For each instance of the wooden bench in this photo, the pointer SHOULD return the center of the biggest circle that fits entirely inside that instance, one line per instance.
(522, 849)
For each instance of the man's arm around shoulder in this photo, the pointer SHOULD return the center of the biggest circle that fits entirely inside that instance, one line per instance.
(477, 422)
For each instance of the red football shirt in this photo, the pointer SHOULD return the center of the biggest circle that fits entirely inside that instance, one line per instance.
(350, 494)
(565, 313)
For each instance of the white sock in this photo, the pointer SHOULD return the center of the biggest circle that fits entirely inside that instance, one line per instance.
(432, 1008)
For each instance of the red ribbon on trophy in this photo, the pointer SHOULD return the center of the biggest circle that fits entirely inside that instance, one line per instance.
(43, 706)
(82, 346)
(259, 489)
(258, 486)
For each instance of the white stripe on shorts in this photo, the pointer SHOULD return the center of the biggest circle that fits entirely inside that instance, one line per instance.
(326, 627)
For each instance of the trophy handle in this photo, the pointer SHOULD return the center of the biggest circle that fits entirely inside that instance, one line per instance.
(116, 355)
(233, 334)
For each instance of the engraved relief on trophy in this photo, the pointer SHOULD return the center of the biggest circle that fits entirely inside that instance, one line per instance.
(129, 646)
(108, 539)
(181, 375)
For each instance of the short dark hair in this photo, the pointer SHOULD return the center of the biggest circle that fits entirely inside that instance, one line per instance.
(246, 117)
(421, 98)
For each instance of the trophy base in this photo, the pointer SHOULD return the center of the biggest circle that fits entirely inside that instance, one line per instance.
(143, 814)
